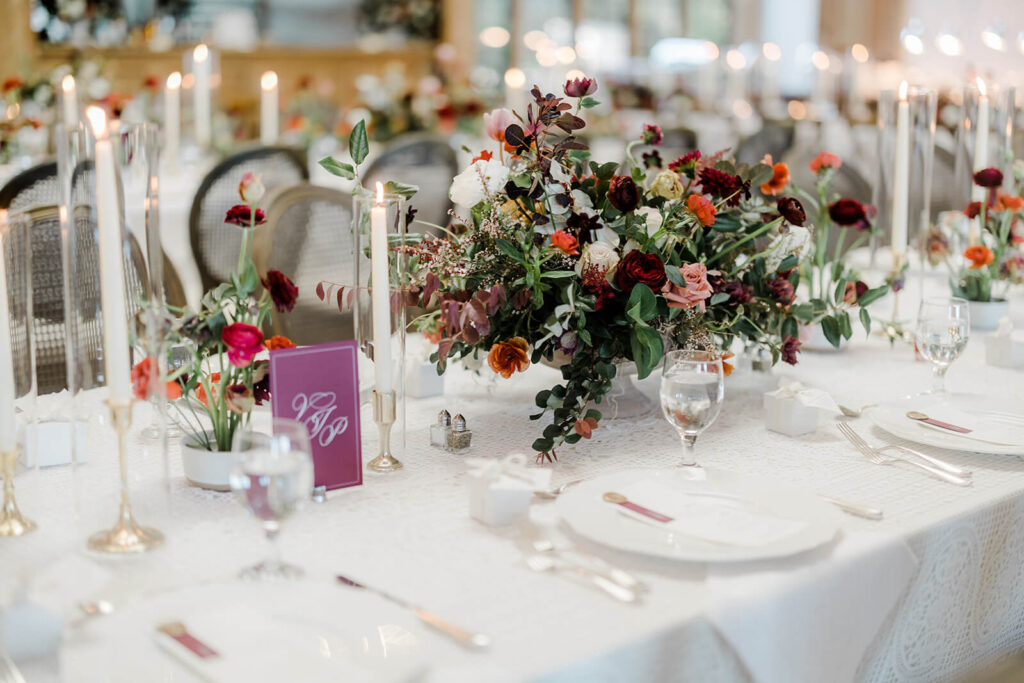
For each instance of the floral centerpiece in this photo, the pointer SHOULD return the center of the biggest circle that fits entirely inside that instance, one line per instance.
(222, 380)
(571, 261)
(833, 289)
(993, 261)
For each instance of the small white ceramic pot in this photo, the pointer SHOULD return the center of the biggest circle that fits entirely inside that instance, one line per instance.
(205, 469)
(985, 315)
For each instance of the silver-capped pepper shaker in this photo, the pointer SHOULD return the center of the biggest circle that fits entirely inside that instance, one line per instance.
(439, 431)
(459, 435)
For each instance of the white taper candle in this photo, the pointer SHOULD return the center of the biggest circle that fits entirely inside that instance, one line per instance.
(172, 117)
(269, 126)
(201, 94)
(380, 294)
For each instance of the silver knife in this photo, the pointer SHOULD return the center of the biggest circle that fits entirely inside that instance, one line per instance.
(476, 641)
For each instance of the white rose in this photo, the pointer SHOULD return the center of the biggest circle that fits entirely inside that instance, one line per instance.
(476, 183)
(600, 254)
(652, 217)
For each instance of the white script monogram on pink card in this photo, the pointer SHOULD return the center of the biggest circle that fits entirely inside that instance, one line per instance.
(316, 411)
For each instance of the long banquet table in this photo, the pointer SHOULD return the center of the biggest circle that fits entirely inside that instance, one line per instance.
(934, 590)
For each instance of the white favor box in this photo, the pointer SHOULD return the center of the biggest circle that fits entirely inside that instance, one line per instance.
(422, 380)
(786, 415)
(50, 443)
(498, 502)
(1005, 350)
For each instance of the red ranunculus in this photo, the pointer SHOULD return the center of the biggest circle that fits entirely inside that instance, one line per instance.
(846, 212)
(241, 215)
(282, 290)
(243, 341)
(973, 209)
(637, 267)
(792, 210)
(623, 193)
(989, 177)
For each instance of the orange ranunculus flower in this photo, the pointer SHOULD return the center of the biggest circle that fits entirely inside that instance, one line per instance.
(979, 255)
(279, 342)
(214, 380)
(702, 208)
(565, 242)
(1008, 202)
(727, 368)
(825, 160)
(143, 374)
(510, 356)
(780, 176)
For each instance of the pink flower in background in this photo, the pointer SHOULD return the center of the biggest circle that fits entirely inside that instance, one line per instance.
(243, 341)
(825, 160)
(696, 291)
(251, 188)
(652, 134)
(496, 122)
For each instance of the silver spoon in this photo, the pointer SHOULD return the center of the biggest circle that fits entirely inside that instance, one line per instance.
(851, 412)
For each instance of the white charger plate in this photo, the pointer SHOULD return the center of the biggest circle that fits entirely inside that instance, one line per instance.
(328, 633)
(583, 508)
(892, 417)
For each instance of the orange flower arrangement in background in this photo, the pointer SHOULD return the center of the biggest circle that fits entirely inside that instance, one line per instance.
(979, 255)
(1008, 202)
(279, 342)
(509, 357)
(702, 208)
(780, 176)
(143, 375)
(201, 392)
(825, 160)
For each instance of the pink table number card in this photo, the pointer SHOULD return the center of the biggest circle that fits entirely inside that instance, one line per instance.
(319, 387)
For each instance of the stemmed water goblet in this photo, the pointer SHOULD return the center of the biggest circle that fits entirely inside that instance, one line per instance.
(272, 475)
(692, 390)
(943, 326)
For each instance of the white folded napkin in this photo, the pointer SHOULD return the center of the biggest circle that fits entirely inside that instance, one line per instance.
(709, 516)
(982, 429)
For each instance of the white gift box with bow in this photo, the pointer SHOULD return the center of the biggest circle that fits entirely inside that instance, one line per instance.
(500, 490)
(1005, 348)
(793, 409)
(48, 442)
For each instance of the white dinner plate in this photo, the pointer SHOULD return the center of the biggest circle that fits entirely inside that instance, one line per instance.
(303, 630)
(584, 509)
(892, 417)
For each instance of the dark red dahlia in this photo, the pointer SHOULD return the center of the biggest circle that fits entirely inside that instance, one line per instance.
(721, 184)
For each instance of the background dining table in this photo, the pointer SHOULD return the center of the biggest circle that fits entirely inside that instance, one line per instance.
(929, 593)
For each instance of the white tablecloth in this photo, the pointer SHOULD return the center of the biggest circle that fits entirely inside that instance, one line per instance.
(931, 592)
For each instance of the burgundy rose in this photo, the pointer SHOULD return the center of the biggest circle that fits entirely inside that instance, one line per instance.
(989, 177)
(652, 135)
(282, 290)
(721, 184)
(792, 210)
(637, 267)
(854, 291)
(847, 212)
(790, 347)
(623, 193)
(973, 209)
(781, 290)
(580, 87)
(243, 341)
(241, 215)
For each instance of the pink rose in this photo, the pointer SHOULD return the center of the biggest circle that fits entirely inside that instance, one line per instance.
(696, 291)
(496, 122)
(243, 341)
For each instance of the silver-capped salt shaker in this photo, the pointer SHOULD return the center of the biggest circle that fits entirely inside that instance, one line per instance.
(459, 436)
(439, 431)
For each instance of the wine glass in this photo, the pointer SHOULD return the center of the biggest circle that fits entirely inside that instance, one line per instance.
(692, 390)
(943, 325)
(271, 476)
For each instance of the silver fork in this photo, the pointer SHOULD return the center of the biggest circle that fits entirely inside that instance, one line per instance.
(876, 457)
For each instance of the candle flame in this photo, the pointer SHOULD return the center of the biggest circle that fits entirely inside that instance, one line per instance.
(820, 60)
(981, 86)
(380, 192)
(200, 53)
(67, 83)
(268, 81)
(98, 120)
(859, 53)
(174, 81)
(903, 91)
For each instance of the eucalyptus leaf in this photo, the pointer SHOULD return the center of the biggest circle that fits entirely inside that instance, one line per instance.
(830, 326)
(358, 145)
(335, 167)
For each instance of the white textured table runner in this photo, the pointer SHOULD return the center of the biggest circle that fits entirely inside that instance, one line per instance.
(858, 609)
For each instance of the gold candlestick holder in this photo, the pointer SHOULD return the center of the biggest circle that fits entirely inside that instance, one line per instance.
(12, 523)
(384, 416)
(126, 536)
(894, 329)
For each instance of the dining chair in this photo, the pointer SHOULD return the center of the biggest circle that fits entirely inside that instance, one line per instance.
(774, 138)
(49, 327)
(216, 244)
(308, 237)
(424, 160)
(39, 187)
